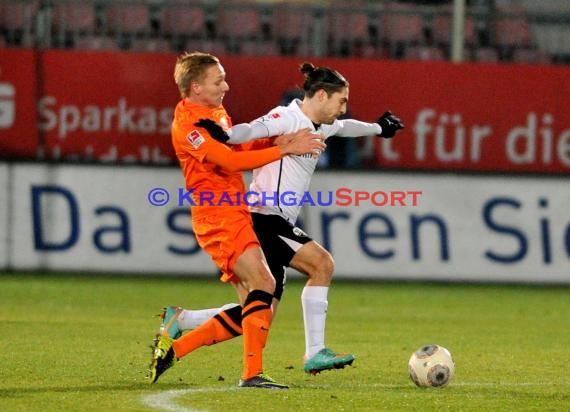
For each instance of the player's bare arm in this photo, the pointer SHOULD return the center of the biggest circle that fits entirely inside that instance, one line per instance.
(287, 137)
(301, 142)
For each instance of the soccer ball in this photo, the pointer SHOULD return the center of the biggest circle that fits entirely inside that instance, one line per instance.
(431, 366)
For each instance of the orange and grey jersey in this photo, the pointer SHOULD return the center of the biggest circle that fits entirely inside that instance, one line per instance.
(278, 187)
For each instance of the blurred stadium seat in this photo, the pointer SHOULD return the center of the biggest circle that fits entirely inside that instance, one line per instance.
(442, 27)
(74, 16)
(259, 48)
(511, 28)
(17, 15)
(17, 21)
(423, 53)
(238, 20)
(96, 43)
(180, 22)
(214, 46)
(401, 25)
(182, 19)
(127, 19)
(530, 56)
(71, 21)
(292, 24)
(156, 45)
(372, 52)
(302, 49)
(347, 27)
(485, 55)
(127, 22)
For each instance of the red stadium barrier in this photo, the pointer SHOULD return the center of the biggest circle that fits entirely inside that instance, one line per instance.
(116, 107)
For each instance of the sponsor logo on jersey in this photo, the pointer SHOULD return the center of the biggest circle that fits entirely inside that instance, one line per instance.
(269, 117)
(195, 138)
(299, 232)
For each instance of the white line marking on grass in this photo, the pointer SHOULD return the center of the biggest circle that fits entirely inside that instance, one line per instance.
(166, 401)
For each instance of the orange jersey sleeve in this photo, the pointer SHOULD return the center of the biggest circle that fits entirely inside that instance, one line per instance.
(257, 144)
(212, 170)
(238, 161)
(190, 140)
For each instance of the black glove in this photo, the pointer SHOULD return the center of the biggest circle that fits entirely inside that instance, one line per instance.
(390, 124)
(214, 129)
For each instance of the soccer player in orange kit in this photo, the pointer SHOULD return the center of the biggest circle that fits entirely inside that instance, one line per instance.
(220, 219)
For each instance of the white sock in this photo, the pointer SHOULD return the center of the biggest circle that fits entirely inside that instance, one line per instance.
(314, 301)
(191, 319)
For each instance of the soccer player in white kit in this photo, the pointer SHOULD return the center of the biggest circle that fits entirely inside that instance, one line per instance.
(325, 99)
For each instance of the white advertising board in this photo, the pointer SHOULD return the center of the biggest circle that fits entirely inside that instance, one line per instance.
(99, 219)
(480, 228)
(4, 216)
(377, 225)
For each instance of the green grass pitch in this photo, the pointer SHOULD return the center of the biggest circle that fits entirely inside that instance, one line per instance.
(81, 343)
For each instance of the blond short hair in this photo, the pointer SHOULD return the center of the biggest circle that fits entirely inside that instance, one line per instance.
(191, 67)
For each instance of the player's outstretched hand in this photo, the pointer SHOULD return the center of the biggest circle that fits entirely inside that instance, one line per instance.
(390, 124)
(301, 142)
(215, 130)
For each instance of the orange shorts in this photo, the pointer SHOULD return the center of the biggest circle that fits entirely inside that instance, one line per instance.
(225, 237)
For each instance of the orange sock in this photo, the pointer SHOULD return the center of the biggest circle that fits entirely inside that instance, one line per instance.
(256, 318)
(225, 325)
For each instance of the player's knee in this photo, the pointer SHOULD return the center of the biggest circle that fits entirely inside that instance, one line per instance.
(325, 263)
(269, 283)
(263, 281)
(322, 269)
(314, 261)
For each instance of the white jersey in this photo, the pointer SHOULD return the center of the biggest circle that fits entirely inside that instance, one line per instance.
(278, 187)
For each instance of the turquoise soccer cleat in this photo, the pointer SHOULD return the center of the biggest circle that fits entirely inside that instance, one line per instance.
(326, 359)
(169, 326)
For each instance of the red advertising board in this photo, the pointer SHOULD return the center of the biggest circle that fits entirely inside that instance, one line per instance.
(508, 118)
(108, 107)
(18, 95)
(117, 107)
